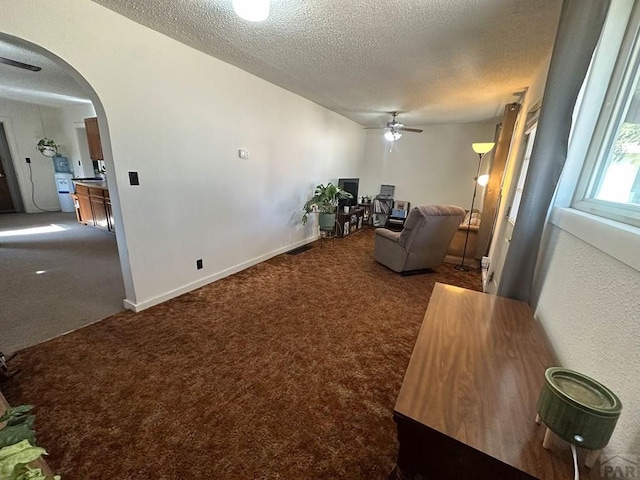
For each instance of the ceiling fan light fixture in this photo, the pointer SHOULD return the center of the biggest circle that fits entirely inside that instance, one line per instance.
(392, 135)
(252, 10)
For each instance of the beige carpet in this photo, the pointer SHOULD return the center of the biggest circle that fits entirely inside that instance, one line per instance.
(82, 280)
(287, 370)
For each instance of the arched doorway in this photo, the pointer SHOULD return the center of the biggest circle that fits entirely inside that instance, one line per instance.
(55, 268)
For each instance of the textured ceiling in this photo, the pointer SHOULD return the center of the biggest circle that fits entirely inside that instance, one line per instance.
(437, 60)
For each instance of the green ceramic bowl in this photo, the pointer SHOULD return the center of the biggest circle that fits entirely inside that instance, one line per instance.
(577, 408)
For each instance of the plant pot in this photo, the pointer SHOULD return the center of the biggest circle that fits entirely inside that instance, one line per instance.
(326, 221)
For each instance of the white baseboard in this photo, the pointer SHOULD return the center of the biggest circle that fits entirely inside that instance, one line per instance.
(137, 307)
(46, 208)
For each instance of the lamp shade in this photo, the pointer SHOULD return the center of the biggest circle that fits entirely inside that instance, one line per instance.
(252, 10)
(482, 148)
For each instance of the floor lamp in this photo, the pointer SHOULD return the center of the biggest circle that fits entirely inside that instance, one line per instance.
(481, 149)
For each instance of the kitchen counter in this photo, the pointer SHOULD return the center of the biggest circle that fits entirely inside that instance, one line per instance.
(92, 183)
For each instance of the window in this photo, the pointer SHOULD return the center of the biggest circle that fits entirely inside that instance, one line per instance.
(610, 182)
(530, 136)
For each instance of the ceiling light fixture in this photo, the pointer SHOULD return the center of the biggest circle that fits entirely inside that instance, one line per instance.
(252, 10)
(392, 135)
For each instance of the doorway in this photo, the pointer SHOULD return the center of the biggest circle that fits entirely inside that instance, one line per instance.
(60, 275)
(10, 199)
(84, 164)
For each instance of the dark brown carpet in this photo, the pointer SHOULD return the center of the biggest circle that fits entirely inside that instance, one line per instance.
(287, 370)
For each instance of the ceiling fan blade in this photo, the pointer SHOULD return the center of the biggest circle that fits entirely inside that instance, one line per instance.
(375, 128)
(407, 129)
(15, 63)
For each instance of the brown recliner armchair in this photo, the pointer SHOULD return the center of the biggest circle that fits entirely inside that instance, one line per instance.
(423, 241)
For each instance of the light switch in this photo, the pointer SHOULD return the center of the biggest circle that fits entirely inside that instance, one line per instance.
(243, 153)
(133, 178)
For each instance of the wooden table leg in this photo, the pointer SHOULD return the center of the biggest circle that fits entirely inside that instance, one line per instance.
(591, 458)
(548, 441)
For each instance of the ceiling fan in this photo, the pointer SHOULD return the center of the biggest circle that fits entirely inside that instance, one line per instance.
(394, 129)
(15, 63)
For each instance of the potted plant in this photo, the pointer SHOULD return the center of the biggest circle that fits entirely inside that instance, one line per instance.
(325, 201)
(47, 147)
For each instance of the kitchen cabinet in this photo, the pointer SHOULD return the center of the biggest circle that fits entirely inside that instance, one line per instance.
(93, 138)
(107, 204)
(98, 207)
(94, 205)
(84, 213)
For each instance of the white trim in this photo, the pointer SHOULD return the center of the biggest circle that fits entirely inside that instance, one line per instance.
(626, 213)
(590, 100)
(616, 100)
(13, 148)
(137, 307)
(619, 240)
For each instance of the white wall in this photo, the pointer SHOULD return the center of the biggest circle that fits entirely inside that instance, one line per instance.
(72, 119)
(24, 129)
(589, 307)
(588, 278)
(436, 166)
(178, 117)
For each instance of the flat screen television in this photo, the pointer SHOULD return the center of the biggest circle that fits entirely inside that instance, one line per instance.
(350, 185)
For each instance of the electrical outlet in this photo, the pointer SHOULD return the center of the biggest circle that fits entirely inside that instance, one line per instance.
(199, 264)
(28, 160)
(243, 153)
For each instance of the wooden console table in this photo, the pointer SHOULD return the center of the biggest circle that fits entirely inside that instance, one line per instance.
(467, 405)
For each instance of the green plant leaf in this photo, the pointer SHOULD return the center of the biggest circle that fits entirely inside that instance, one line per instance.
(13, 434)
(24, 472)
(14, 455)
(15, 412)
(23, 419)
(325, 200)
